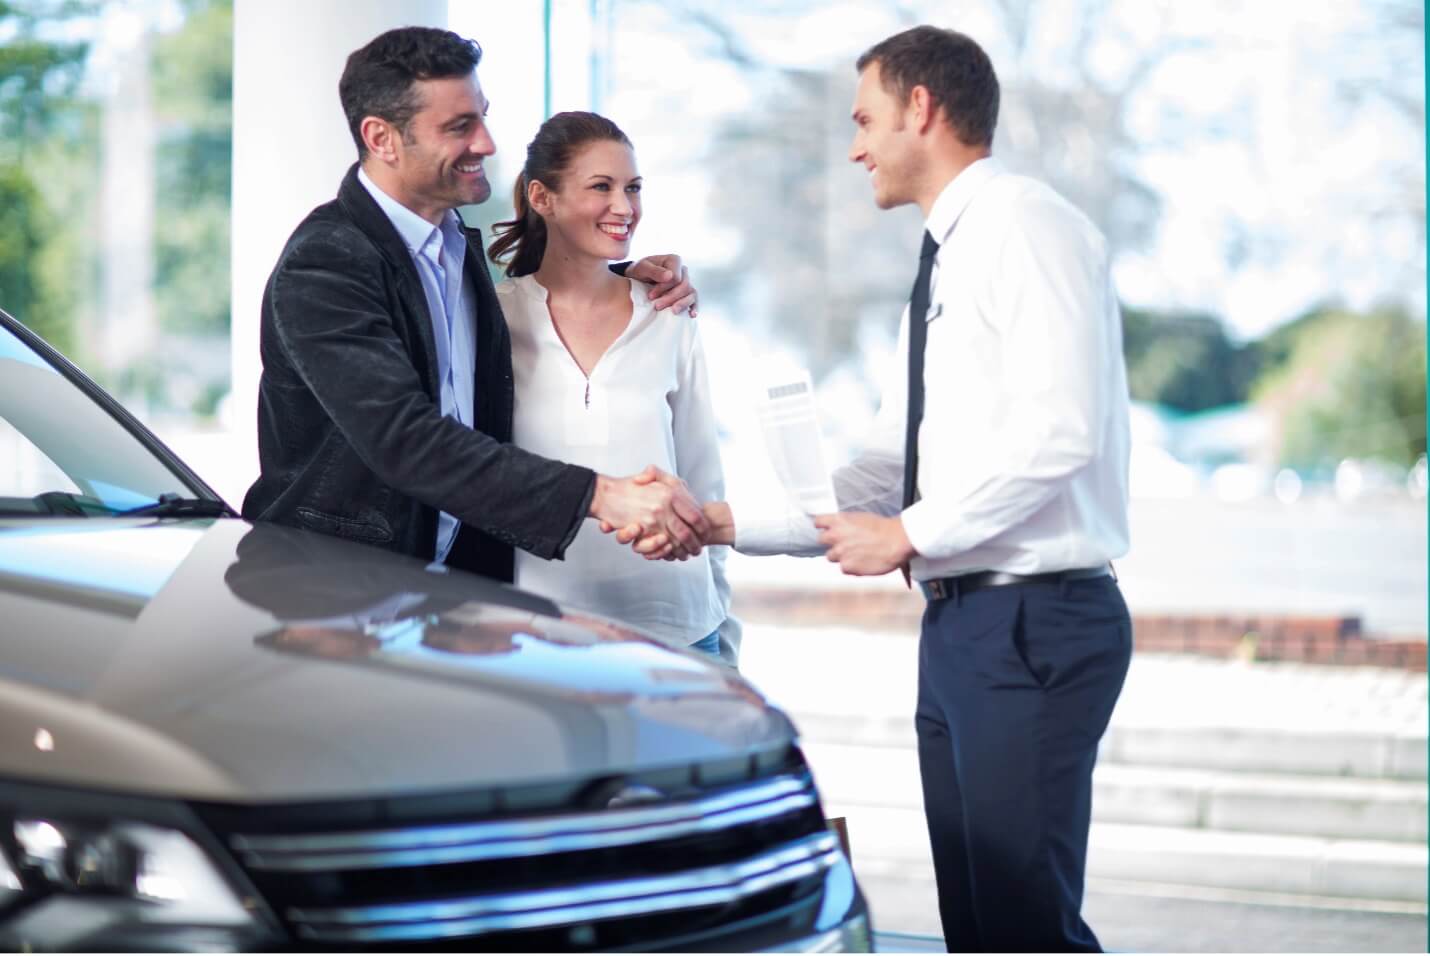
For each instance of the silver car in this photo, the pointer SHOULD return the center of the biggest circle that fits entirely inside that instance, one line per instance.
(223, 736)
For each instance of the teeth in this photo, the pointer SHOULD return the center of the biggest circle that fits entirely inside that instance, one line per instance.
(610, 230)
(474, 168)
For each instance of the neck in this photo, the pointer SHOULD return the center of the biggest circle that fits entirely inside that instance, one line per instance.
(384, 177)
(572, 274)
(945, 168)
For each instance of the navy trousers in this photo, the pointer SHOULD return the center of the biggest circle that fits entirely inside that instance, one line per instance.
(1016, 686)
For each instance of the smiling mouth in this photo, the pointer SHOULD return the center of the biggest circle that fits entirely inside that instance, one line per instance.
(614, 230)
(469, 168)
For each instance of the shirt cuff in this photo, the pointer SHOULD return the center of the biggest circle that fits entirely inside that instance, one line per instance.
(933, 535)
(791, 533)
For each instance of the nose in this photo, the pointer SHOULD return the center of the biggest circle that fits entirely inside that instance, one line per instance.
(482, 143)
(856, 150)
(621, 205)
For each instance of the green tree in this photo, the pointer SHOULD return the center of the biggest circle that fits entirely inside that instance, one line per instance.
(1350, 386)
(193, 98)
(39, 107)
(1185, 360)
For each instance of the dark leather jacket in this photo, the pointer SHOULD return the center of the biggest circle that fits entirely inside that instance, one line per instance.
(351, 438)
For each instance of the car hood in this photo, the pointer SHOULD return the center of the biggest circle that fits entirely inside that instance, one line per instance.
(218, 660)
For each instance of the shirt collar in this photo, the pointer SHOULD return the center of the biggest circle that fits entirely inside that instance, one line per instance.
(957, 194)
(415, 231)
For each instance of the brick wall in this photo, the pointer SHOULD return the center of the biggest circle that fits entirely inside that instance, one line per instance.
(1261, 637)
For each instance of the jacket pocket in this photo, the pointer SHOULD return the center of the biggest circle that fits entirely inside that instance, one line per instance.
(371, 527)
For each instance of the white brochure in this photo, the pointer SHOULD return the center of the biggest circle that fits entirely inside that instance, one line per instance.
(791, 425)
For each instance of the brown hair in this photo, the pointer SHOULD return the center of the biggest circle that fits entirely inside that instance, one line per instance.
(523, 239)
(381, 78)
(952, 67)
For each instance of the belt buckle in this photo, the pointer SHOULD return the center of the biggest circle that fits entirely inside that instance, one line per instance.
(937, 589)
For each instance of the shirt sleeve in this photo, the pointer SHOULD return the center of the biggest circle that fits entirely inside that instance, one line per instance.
(873, 481)
(1051, 298)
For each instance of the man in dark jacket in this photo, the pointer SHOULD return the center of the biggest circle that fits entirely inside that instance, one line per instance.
(385, 403)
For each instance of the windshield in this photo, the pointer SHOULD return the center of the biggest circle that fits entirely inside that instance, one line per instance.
(61, 453)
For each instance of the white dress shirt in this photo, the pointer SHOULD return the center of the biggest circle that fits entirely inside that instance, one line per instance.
(647, 402)
(1024, 443)
(439, 252)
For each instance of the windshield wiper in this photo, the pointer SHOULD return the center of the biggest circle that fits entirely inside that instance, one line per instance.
(171, 505)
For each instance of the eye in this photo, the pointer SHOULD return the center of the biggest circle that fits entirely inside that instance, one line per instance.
(634, 188)
(603, 187)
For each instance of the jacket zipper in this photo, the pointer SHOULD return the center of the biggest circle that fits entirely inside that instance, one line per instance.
(588, 394)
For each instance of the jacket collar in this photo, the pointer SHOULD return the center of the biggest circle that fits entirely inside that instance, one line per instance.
(358, 203)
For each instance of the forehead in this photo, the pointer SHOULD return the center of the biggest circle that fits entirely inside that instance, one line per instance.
(870, 95)
(451, 96)
(605, 156)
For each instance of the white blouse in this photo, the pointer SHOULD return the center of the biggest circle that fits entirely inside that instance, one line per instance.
(647, 402)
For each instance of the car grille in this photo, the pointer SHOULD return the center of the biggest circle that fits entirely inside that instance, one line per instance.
(678, 871)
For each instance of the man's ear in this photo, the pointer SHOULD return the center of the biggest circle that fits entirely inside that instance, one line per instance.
(920, 110)
(380, 137)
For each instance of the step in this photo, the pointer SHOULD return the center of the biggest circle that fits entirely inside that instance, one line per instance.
(1347, 808)
(1373, 755)
(895, 837)
(1399, 756)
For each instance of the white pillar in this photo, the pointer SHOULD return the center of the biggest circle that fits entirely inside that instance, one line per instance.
(290, 149)
(130, 326)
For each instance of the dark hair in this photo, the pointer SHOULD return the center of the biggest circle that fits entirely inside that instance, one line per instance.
(523, 239)
(378, 79)
(952, 67)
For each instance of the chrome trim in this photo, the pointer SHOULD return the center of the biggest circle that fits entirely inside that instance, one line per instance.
(462, 843)
(707, 886)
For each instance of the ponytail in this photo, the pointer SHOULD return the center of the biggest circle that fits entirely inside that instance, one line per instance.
(523, 239)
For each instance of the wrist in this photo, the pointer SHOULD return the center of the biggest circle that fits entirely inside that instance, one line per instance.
(904, 548)
(600, 497)
(722, 522)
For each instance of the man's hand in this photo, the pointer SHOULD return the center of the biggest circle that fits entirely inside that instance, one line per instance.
(648, 504)
(669, 281)
(862, 543)
(657, 547)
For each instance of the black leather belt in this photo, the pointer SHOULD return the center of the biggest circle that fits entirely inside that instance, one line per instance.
(940, 588)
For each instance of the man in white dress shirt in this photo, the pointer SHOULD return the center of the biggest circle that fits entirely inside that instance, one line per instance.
(997, 476)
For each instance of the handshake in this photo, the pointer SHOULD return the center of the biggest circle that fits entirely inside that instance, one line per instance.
(655, 513)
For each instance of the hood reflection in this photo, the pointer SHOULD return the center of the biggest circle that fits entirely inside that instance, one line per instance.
(363, 610)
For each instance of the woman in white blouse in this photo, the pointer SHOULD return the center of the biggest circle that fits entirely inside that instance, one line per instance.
(602, 379)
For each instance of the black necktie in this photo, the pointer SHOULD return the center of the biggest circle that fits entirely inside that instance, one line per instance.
(918, 338)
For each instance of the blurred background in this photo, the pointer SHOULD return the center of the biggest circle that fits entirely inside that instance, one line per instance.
(1258, 170)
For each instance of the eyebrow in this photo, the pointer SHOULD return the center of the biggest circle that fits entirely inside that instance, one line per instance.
(595, 176)
(461, 118)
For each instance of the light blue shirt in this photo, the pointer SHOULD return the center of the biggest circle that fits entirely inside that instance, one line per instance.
(439, 253)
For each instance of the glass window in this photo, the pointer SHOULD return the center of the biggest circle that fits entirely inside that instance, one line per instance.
(56, 441)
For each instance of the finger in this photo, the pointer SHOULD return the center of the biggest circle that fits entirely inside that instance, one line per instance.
(686, 538)
(652, 544)
(648, 475)
(648, 271)
(688, 510)
(629, 533)
(665, 297)
(683, 305)
(825, 522)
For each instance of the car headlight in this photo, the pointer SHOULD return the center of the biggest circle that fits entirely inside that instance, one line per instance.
(116, 884)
